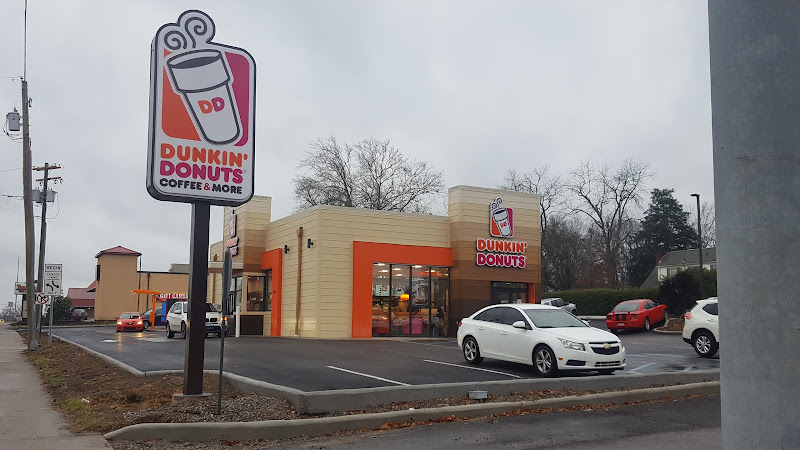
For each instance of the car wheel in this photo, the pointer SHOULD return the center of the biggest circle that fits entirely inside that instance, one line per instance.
(118, 330)
(605, 371)
(146, 325)
(544, 361)
(183, 330)
(614, 330)
(646, 324)
(472, 352)
(170, 333)
(705, 345)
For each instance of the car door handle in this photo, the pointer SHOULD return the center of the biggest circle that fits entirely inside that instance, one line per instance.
(503, 333)
(480, 328)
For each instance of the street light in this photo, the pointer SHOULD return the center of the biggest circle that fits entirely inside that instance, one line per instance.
(699, 242)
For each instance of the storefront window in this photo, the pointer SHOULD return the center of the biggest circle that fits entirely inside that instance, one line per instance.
(268, 289)
(255, 294)
(409, 300)
(506, 292)
(440, 281)
(380, 299)
(236, 287)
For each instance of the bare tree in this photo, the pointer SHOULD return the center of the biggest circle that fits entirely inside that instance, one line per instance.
(708, 225)
(549, 187)
(567, 253)
(370, 174)
(605, 196)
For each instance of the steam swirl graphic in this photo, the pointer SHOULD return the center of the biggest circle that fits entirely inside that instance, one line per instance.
(192, 26)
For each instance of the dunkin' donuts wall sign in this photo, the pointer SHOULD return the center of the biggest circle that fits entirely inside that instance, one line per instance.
(202, 116)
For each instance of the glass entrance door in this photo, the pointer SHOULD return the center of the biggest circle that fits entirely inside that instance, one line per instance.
(506, 292)
(410, 300)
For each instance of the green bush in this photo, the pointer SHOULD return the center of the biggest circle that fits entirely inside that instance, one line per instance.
(681, 291)
(599, 302)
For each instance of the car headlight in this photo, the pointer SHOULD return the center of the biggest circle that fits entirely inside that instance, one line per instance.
(572, 345)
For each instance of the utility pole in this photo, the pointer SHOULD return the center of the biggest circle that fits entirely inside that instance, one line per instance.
(26, 199)
(43, 231)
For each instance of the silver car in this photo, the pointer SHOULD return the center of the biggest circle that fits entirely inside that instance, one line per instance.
(559, 302)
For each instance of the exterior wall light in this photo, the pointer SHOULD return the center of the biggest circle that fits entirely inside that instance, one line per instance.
(310, 243)
(285, 249)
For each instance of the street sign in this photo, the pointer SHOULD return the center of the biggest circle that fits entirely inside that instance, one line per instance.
(41, 298)
(20, 288)
(52, 279)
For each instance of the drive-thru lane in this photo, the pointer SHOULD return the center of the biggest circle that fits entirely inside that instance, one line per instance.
(317, 364)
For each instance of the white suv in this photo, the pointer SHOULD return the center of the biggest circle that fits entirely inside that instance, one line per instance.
(561, 303)
(701, 327)
(178, 317)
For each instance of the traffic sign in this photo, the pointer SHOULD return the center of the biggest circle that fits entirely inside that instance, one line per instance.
(41, 298)
(52, 279)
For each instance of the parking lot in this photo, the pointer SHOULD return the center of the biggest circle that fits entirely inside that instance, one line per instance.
(319, 365)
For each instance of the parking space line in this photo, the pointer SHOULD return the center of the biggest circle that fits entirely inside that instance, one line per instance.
(368, 376)
(641, 367)
(473, 368)
(448, 344)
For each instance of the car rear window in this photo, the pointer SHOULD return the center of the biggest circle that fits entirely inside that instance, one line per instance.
(493, 315)
(712, 308)
(625, 307)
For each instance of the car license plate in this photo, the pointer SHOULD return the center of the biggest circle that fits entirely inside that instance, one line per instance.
(621, 324)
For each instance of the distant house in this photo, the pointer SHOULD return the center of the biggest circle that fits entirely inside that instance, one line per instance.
(83, 298)
(673, 262)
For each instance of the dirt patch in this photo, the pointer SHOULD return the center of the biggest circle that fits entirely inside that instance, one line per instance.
(675, 324)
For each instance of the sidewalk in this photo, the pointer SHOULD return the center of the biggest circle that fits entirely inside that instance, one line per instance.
(27, 420)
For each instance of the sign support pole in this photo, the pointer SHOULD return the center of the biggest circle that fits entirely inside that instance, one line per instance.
(198, 288)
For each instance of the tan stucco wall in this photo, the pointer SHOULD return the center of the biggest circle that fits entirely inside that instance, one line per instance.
(327, 273)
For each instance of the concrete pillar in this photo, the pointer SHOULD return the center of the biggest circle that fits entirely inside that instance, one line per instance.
(755, 95)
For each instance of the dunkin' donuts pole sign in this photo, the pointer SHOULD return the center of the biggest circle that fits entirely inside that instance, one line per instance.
(202, 116)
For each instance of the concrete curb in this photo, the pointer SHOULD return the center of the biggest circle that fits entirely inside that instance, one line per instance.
(280, 429)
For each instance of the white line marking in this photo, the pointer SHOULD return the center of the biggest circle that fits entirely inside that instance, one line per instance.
(687, 369)
(473, 368)
(447, 345)
(641, 367)
(368, 376)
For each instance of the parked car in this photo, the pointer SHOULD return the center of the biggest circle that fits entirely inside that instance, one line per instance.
(560, 303)
(635, 314)
(159, 319)
(129, 321)
(178, 317)
(701, 327)
(548, 338)
(79, 314)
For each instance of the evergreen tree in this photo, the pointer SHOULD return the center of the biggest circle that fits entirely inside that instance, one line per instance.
(665, 228)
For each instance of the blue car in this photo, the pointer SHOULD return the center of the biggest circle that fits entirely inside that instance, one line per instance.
(146, 318)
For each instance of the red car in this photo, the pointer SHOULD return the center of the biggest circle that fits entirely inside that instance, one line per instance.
(130, 321)
(635, 314)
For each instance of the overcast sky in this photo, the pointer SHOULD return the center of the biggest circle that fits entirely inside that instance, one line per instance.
(473, 87)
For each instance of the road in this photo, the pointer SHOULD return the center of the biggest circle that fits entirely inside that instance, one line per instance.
(686, 424)
(317, 364)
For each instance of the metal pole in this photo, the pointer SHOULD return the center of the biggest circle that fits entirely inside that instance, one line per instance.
(27, 176)
(198, 288)
(227, 274)
(699, 244)
(755, 64)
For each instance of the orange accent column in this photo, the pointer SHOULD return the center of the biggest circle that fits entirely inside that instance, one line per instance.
(365, 254)
(532, 293)
(273, 259)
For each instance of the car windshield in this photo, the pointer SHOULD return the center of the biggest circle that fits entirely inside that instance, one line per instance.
(553, 318)
(625, 307)
(129, 316)
(210, 307)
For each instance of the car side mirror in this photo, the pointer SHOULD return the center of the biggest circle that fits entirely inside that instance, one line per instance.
(520, 324)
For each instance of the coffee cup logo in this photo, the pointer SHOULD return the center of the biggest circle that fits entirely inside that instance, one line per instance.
(502, 219)
(202, 111)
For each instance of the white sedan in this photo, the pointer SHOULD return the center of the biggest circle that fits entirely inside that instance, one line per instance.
(548, 338)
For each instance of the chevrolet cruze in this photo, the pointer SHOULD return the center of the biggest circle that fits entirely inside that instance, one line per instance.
(548, 338)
